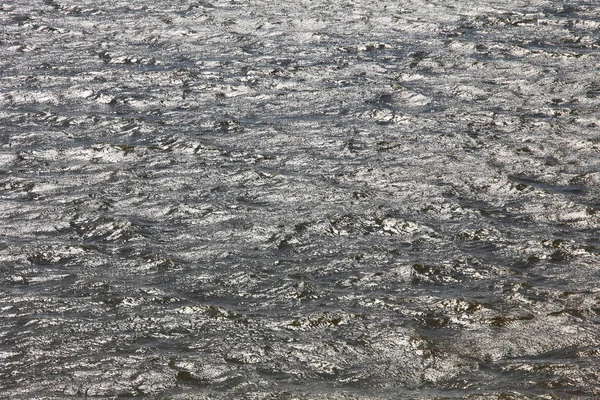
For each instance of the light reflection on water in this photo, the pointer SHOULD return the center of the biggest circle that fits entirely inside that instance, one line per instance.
(261, 201)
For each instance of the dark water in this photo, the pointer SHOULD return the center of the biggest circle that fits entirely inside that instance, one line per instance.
(300, 200)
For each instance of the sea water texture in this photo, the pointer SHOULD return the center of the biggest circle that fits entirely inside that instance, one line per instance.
(341, 199)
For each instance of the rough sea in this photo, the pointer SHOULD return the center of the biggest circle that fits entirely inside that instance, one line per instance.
(343, 199)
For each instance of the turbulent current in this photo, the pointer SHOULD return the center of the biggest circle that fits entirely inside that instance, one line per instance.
(342, 199)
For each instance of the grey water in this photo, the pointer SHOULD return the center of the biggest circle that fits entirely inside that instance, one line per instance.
(340, 199)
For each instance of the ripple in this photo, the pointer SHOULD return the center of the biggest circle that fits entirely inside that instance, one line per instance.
(299, 201)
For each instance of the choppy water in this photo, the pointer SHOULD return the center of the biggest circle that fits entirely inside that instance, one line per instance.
(300, 200)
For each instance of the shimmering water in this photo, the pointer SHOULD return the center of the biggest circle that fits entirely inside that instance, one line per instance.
(300, 200)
